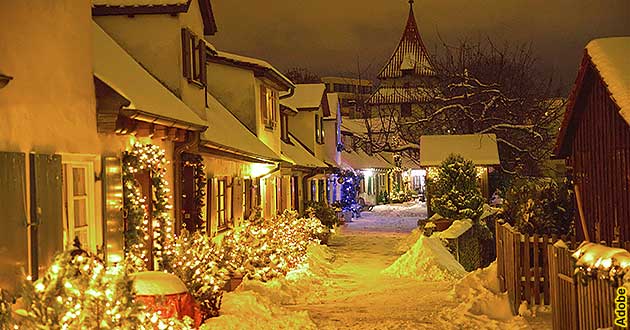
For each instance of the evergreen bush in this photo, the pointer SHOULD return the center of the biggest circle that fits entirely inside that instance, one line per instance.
(540, 206)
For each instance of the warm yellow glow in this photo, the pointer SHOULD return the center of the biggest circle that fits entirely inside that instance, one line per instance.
(418, 172)
(258, 169)
(114, 258)
(368, 172)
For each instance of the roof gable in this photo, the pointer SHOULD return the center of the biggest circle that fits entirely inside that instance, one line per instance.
(410, 54)
(153, 7)
(608, 58)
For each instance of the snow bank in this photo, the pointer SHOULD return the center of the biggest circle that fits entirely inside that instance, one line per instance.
(306, 284)
(250, 310)
(482, 305)
(409, 241)
(456, 229)
(427, 260)
(407, 209)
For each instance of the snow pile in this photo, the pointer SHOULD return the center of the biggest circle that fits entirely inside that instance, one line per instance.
(306, 284)
(250, 310)
(456, 229)
(482, 305)
(409, 241)
(427, 260)
(407, 209)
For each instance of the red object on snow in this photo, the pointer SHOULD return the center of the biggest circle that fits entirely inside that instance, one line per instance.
(173, 305)
(166, 293)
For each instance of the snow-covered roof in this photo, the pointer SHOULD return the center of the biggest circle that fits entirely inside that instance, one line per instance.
(397, 95)
(115, 67)
(456, 229)
(299, 155)
(306, 96)
(611, 57)
(228, 133)
(240, 59)
(359, 159)
(333, 104)
(481, 149)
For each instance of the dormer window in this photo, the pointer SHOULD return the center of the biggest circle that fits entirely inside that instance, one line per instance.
(269, 106)
(193, 58)
(319, 129)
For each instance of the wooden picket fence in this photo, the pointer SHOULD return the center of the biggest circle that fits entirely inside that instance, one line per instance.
(523, 265)
(533, 269)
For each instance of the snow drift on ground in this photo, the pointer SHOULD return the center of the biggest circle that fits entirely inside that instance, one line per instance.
(407, 209)
(409, 240)
(306, 284)
(427, 260)
(250, 310)
(481, 304)
(257, 305)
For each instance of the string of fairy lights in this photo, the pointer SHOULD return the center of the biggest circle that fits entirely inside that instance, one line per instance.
(149, 231)
(78, 291)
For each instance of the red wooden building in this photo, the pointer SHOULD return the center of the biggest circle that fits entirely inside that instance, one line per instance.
(595, 139)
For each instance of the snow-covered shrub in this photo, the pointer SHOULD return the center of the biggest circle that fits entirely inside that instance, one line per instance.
(540, 206)
(267, 248)
(78, 292)
(454, 192)
(194, 261)
(323, 212)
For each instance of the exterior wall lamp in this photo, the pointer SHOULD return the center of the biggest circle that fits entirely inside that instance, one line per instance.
(4, 80)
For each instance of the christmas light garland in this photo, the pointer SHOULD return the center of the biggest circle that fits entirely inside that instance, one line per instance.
(199, 176)
(149, 158)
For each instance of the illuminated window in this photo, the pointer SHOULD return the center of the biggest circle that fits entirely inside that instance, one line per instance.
(80, 220)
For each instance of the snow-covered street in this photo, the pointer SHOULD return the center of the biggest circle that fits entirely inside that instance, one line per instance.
(345, 286)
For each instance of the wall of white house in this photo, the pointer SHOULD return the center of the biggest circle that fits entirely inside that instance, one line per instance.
(153, 40)
(302, 126)
(236, 89)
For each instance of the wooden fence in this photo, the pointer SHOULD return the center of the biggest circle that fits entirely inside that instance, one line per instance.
(533, 269)
(523, 265)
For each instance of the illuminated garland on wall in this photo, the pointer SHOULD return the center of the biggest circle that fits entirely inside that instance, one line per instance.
(199, 176)
(149, 158)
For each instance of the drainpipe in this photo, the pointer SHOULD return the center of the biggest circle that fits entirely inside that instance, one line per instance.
(180, 148)
(291, 92)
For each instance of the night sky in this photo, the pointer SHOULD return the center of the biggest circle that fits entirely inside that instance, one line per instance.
(331, 36)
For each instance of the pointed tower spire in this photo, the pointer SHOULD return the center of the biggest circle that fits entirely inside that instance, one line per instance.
(410, 55)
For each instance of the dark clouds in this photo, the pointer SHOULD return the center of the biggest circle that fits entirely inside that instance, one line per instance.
(330, 36)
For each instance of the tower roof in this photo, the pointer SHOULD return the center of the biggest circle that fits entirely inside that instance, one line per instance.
(411, 54)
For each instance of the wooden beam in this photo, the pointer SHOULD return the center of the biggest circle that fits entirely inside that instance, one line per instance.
(160, 132)
(125, 125)
(144, 129)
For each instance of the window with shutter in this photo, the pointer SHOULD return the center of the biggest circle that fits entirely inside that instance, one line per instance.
(193, 58)
(13, 212)
(186, 54)
(221, 204)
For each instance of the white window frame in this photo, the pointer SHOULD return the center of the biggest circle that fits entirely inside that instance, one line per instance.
(94, 224)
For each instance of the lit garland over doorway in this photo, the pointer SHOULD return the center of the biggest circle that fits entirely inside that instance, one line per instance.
(149, 158)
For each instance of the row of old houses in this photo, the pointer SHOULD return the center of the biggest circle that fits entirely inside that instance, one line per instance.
(85, 83)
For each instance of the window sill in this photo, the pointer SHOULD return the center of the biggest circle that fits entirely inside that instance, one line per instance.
(223, 229)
